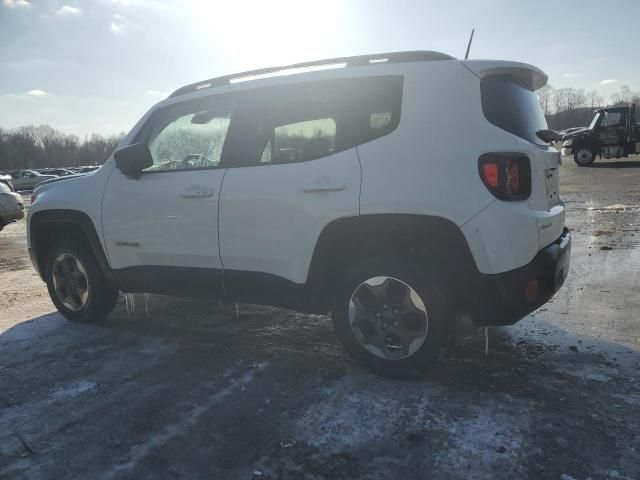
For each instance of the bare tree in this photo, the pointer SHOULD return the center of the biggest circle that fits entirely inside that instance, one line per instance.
(560, 100)
(623, 96)
(545, 94)
(594, 99)
(42, 146)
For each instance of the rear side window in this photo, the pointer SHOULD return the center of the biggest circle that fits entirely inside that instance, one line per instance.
(301, 141)
(512, 107)
(307, 121)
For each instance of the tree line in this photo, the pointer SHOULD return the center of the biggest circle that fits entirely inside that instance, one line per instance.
(42, 146)
(572, 107)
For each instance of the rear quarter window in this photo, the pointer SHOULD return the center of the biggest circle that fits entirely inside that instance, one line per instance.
(512, 107)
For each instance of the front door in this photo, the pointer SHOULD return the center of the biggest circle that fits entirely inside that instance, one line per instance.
(162, 227)
(612, 131)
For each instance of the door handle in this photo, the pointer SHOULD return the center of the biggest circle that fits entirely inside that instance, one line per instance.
(324, 184)
(197, 192)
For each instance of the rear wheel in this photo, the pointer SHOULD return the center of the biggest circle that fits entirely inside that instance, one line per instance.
(584, 156)
(390, 316)
(76, 284)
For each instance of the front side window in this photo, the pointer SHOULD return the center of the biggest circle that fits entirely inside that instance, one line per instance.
(611, 119)
(188, 138)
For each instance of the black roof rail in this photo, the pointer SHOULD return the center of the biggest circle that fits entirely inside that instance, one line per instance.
(356, 61)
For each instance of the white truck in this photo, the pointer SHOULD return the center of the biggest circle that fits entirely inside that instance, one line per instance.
(397, 191)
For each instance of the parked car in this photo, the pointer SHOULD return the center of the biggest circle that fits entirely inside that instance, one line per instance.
(613, 133)
(11, 206)
(5, 178)
(58, 172)
(28, 179)
(343, 190)
(88, 169)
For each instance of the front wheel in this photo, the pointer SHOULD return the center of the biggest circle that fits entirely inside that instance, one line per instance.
(584, 156)
(390, 316)
(76, 284)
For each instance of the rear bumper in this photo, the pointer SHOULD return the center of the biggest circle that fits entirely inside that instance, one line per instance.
(507, 297)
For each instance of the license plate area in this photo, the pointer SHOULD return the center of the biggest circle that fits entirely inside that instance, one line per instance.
(552, 184)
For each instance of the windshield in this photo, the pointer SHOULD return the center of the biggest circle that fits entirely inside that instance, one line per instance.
(512, 107)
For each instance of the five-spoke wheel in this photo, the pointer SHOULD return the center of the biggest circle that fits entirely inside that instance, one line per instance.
(76, 283)
(388, 317)
(391, 315)
(70, 281)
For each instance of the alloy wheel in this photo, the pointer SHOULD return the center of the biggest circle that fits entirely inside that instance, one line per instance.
(388, 318)
(70, 281)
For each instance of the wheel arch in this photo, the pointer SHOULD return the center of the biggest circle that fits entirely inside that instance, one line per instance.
(48, 226)
(432, 239)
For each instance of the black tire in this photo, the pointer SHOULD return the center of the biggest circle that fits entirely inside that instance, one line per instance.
(405, 270)
(584, 156)
(101, 296)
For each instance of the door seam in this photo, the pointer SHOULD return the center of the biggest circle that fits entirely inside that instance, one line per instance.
(224, 288)
(360, 191)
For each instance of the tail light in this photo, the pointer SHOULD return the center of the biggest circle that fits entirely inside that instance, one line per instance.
(506, 175)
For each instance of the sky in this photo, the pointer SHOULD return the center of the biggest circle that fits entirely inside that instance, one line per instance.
(97, 66)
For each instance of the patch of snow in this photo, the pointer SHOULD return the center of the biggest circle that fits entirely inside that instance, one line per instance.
(472, 441)
(588, 372)
(33, 329)
(362, 409)
(359, 411)
(73, 390)
(141, 451)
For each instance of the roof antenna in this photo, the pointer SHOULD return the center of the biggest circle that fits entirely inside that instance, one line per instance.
(466, 55)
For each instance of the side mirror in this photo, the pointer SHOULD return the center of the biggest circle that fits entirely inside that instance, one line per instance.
(133, 159)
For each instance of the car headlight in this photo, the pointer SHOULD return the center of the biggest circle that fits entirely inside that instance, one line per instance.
(567, 143)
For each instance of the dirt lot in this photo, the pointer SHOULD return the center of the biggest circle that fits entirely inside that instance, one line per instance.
(183, 389)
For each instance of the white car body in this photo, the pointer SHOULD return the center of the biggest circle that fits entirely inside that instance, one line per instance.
(11, 206)
(268, 219)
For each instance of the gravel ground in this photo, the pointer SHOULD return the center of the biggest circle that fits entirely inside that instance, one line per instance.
(183, 389)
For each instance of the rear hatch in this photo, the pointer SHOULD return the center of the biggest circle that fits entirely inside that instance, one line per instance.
(510, 103)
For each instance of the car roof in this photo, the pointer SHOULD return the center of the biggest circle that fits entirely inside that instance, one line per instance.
(353, 61)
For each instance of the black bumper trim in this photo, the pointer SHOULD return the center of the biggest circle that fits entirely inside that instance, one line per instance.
(502, 296)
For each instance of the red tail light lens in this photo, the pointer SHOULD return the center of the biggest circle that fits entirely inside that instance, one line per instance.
(506, 175)
(490, 174)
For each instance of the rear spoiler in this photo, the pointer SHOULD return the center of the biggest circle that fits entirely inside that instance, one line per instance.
(527, 75)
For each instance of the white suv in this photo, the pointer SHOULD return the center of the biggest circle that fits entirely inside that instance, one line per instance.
(399, 191)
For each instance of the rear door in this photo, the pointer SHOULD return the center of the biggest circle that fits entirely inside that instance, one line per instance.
(297, 171)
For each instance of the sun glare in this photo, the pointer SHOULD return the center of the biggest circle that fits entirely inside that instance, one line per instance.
(257, 34)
